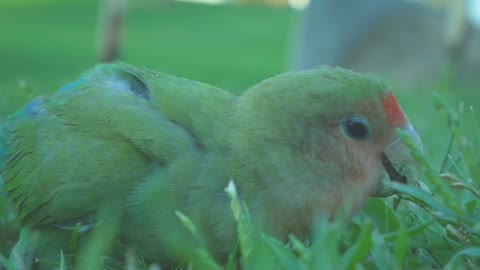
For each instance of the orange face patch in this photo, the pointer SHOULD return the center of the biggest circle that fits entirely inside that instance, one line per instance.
(395, 115)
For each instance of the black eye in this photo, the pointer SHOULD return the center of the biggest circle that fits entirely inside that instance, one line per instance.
(356, 127)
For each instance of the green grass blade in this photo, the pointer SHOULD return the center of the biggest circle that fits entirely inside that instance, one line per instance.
(6, 263)
(359, 249)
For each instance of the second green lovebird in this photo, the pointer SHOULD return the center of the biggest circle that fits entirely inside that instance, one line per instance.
(146, 144)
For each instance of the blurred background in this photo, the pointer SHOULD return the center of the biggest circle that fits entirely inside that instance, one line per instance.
(421, 48)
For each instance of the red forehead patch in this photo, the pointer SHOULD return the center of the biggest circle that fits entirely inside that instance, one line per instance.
(394, 113)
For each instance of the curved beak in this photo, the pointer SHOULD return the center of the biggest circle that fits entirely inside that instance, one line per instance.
(399, 163)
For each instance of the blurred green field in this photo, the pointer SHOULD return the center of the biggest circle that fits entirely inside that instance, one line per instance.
(44, 45)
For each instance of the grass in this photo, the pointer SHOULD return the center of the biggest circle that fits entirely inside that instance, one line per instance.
(429, 225)
(47, 45)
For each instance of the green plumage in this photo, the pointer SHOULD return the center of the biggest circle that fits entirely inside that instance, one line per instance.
(148, 144)
(93, 143)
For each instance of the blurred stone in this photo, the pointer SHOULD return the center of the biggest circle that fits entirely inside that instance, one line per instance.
(410, 44)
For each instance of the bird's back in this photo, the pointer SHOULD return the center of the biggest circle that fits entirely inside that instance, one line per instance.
(69, 153)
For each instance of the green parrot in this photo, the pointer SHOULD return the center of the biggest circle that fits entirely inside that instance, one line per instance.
(148, 144)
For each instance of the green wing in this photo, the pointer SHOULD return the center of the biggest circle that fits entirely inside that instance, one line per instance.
(94, 141)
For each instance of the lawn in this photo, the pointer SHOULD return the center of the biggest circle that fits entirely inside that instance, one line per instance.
(44, 45)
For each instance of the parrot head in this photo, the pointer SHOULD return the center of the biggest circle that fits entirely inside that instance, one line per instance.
(321, 139)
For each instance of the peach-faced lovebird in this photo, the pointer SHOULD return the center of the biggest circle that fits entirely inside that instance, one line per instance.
(148, 144)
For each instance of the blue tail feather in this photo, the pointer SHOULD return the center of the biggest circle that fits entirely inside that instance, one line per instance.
(3, 152)
(31, 109)
(3, 146)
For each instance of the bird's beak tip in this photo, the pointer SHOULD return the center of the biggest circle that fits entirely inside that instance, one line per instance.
(399, 163)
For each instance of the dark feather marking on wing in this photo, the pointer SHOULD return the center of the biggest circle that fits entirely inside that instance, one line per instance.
(136, 84)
